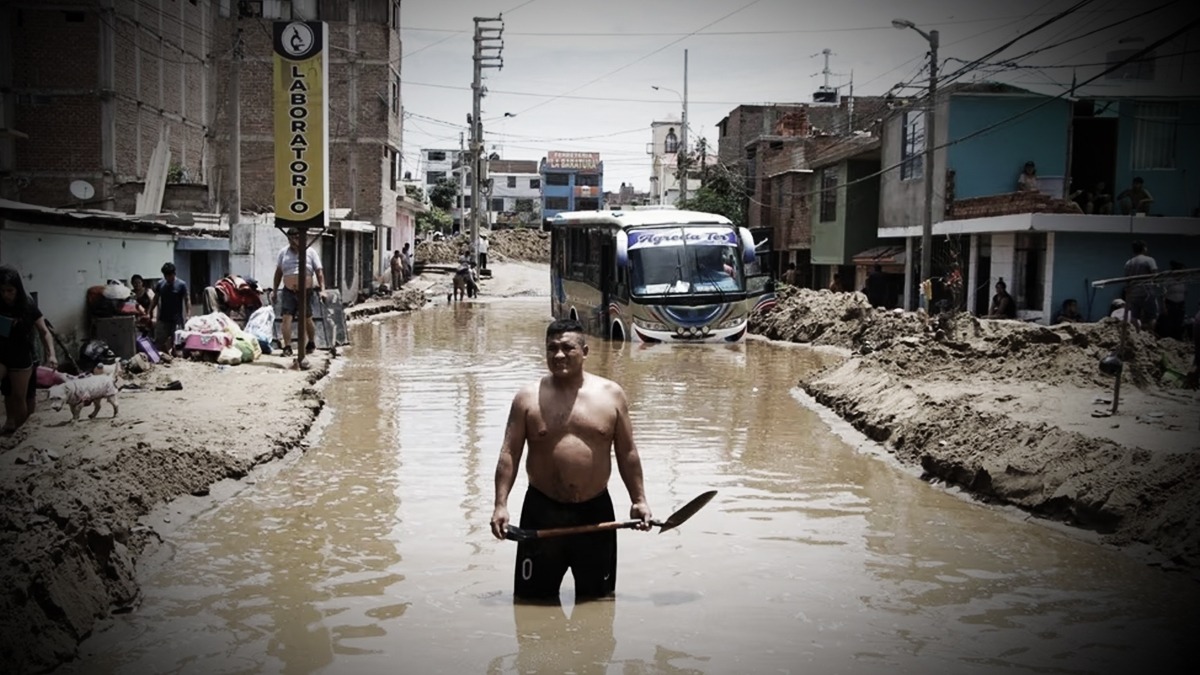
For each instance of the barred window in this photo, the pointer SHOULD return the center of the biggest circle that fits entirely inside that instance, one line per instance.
(829, 196)
(1154, 128)
(912, 145)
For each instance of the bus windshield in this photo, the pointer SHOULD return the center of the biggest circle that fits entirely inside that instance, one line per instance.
(692, 260)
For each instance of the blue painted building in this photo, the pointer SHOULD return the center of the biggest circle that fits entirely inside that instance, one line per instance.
(571, 181)
(1045, 246)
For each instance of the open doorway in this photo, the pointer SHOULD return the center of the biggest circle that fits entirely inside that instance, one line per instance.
(1093, 150)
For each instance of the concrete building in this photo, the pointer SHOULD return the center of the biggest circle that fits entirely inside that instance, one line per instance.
(144, 78)
(89, 89)
(516, 193)
(769, 148)
(571, 181)
(1046, 248)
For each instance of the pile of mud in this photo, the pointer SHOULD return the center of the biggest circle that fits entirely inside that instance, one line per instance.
(959, 397)
(520, 244)
(914, 344)
(512, 244)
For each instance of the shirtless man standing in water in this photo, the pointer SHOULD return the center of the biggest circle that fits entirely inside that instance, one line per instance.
(573, 422)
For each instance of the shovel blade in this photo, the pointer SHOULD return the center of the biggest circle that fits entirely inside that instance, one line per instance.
(682, 515)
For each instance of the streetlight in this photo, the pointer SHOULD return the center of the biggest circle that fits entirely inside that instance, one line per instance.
(930, 126)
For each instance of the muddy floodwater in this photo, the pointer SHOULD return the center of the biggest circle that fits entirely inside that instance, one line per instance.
(370, 553)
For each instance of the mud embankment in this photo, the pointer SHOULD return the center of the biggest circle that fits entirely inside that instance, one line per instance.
(1018, 413)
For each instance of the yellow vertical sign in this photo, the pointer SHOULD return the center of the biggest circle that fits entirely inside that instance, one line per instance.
(301, 124)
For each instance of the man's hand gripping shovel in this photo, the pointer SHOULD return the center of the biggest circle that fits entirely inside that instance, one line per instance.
(674, 520)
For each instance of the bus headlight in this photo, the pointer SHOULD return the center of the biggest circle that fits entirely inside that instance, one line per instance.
(651, 325)
(730, 323)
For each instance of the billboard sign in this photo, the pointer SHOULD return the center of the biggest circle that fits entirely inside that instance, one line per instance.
(301, 79)
(584, 161)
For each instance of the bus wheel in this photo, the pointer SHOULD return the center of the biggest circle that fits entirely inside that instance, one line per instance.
(618, 332)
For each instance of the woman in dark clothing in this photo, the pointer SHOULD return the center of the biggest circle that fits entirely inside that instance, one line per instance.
(1003, 306)
(19, 317)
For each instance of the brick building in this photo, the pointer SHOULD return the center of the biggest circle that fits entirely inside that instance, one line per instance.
(90, 87)
(771, 147)
(140, 71)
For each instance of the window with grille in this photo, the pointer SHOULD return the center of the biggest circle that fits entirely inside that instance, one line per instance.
(395, 92)
(1154, 128)
(511, 181)
(912, 145)
(829, 184)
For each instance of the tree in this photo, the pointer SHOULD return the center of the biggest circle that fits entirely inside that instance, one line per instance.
(443, 193)
(432, 220)
(721, 193)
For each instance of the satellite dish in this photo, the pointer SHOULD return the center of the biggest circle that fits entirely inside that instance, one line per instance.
(82, 190)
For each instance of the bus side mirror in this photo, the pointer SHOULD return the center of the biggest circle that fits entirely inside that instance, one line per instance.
(747, 241)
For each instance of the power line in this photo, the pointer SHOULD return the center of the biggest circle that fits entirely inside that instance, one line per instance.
(641, 58)
(793, 31)
(1048, 100)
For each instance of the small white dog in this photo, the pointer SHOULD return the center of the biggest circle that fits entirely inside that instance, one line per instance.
(78, 392)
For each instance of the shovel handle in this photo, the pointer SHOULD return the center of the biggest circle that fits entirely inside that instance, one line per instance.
(517, 534)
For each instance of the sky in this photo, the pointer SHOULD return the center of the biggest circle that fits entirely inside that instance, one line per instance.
(579, 75)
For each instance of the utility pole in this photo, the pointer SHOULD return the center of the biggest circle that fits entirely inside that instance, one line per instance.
(683, 142)
(930, 143)
(234, 205)
(488, 45)
(462, 184)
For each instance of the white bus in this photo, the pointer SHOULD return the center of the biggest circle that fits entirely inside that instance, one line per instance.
(655, 275)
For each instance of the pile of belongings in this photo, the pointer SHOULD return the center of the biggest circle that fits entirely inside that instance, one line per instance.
(219, 337)
(235, 295)
(112, 299)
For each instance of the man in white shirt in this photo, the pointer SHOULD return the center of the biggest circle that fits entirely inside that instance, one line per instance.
(482, 250)
(287, 270)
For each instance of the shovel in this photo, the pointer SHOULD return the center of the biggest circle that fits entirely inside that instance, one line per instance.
(673, 521)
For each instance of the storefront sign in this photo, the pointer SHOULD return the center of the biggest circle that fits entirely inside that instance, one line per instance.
(301, 124)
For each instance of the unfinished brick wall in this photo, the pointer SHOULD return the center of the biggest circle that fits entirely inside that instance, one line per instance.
(62, 85)
(1005, 204)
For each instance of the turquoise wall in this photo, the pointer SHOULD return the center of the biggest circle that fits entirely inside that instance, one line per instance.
(1080, 259)
(989, 164)
(1176, 191)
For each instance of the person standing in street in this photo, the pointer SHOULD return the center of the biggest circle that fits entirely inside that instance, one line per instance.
(173, 308)
(1143, 306)
(19, 318)
(397, 265)
(287, 271)
(574, 424)
(483, 250)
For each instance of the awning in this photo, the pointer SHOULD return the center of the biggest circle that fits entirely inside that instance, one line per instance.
(352, 225)
(881, 255)
(202, 244)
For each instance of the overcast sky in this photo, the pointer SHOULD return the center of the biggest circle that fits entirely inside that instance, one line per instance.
(578, 75)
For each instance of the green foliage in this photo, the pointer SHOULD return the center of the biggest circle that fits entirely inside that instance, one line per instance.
(443, 193)
(722, 193)
(415, 192)
(434, 219)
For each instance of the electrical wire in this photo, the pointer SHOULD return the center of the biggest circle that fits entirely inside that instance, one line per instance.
(640, 59)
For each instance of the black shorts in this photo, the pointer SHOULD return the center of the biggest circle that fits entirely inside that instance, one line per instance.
(592, 558)
(290, 303)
